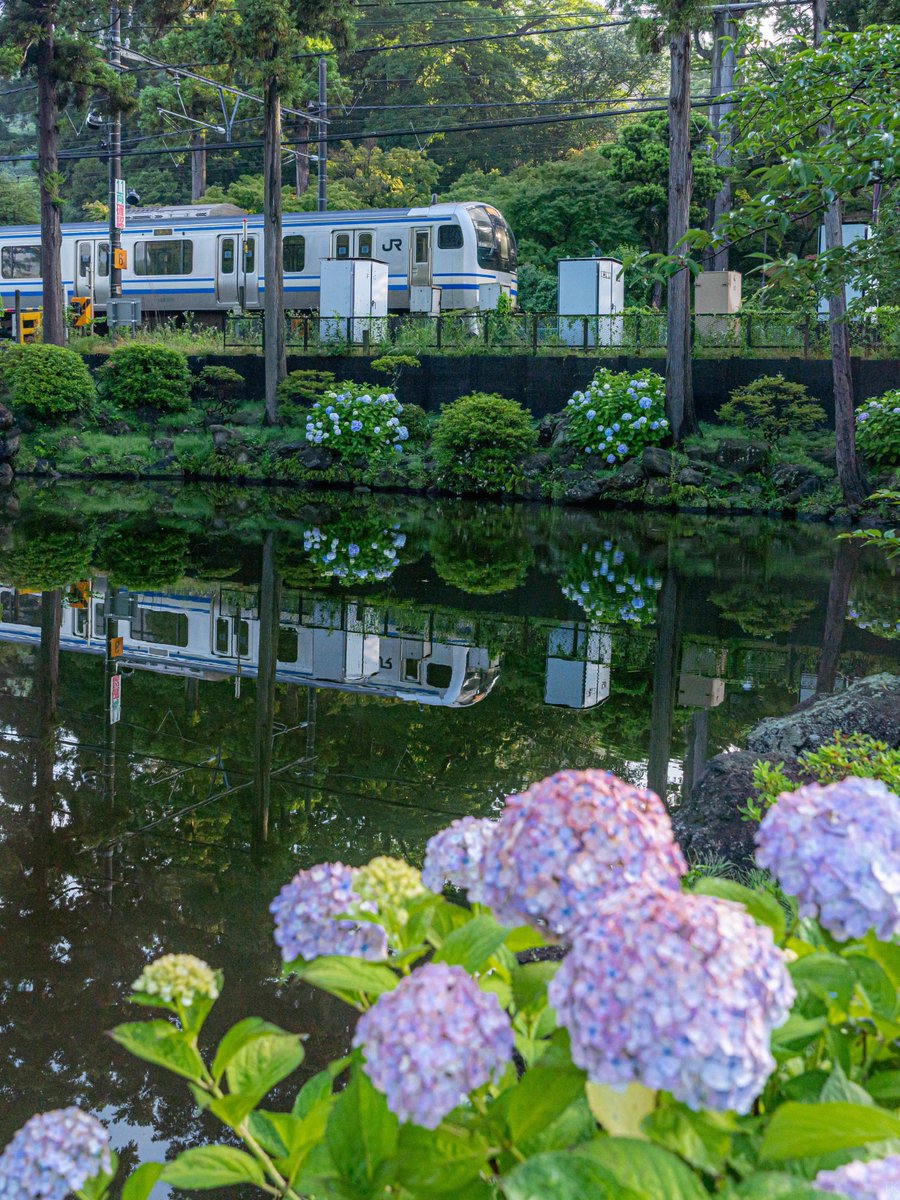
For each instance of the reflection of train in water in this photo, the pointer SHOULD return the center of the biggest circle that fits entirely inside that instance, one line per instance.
(343, 644)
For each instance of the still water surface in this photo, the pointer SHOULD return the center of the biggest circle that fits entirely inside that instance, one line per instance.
(429, 657)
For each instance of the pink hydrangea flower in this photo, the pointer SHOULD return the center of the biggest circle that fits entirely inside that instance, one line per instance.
(457, 855)
(433, 1039)
(875, 1180)
(837, 849)
(674, 991)
(572, 840)
(306, 912)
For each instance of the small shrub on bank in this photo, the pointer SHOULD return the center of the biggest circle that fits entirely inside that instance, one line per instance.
(300, 389)
(46, 381)
(220, 386)
(358, 423)
(138, 376)
(773, 406)
(618, 414)
(878, 430)
(479, 441)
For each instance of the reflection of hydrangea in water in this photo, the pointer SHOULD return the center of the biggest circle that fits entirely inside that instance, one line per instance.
(385, 884)
(53, 1154)
(178, 977)
(837, 849)
(431, 1040)
(674, 991)
(572, 840)
(610, 588)
(876, 1180)
(305, 912)
(354, 552)
(874, 608)
(457, 854)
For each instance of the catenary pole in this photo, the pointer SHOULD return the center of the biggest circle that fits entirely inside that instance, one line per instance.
(115, 154)
(323, 135)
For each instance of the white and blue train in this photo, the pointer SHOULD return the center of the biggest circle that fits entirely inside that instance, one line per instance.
(208, 259)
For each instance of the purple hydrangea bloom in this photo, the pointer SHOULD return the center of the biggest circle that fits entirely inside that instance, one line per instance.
(674, 991)
(355, 426)
(837, 849)
(53, 1154)
(458, 854)
(572, 840)
(306, 912)
(434, 1038)
(875, 1180)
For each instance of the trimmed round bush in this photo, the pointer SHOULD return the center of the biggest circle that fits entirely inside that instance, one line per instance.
(773, 406)
(878, 430)
(479, 441)
(46, 381)
(221, 386)
(140, 375)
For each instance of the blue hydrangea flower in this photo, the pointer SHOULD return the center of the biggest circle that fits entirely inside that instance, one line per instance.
(674, 991)
(355, 426)
(837, 850)
(590, 414)
(654, 424)
(645, 402)
(875, 1180)
(433, 1039)
(53, 1154)
(621, 448)
(308, 917)
(610, 458)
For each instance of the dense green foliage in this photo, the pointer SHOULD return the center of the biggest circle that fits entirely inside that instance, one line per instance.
(220, 385)
(19, 203)
(140, 375)
(773, 407)
(479, 441)
(303, 388)
(878, 430)
(45, 381)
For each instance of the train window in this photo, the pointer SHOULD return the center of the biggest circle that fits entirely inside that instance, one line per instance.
(160, 628)
(496, 244)
(420, 253)
(450, 237)
(20, 262)
(223, 635)
(84, 260)
(287, 644)
(226, 265)
(364, 245)
(103, 260)
(342, 245)
(164, 258)
(294, 254)
(438, 675)
(249, 255)
(243, 639)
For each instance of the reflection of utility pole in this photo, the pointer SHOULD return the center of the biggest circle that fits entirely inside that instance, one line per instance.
(269, 621)
(843, 569)
(47, 687)
(311, 704)
(665, 681)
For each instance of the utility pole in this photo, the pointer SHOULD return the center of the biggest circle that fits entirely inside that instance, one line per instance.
(322, 146)
(115, 154)
(723, 77)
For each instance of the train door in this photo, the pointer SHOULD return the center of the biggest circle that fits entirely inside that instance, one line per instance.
(249, 251)
(420, 258)
(353, 243)
(227, 248)
(92, 271)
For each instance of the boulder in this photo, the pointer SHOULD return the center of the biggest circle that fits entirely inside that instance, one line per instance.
(315, 458)
(690, 477)
(164, 445)
(221, 436)
(582, 489)
(656, 463)
(547, 429)
(808, 487)
(708, 824)
(869, 706)
(289, 449)
(9, 445)
(560, 431)
(629, 476)
(6, 474)
(658, 491)
(788, 476)
(7, 420)
(735, 454)
(536, 464)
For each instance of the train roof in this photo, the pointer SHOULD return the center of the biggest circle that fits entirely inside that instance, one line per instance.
(203, 215)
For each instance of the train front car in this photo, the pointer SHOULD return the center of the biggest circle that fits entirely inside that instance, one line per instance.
(495, 255)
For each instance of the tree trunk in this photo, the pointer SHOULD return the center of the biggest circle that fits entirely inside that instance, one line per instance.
(198, 165)
(275, 360)
(679, 382)
(853, 485)
(301, 159)
(47, 688)
(842, 571)
(54, 329)
(724, 68)
(665, 682)
(269, 610)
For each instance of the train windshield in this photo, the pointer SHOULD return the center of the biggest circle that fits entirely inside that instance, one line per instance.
(496, 243)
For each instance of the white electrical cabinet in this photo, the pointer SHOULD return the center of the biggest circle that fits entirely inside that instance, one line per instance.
(353, 299)
(592, 288)
(489, 295)
(577, 666)
(424, 298)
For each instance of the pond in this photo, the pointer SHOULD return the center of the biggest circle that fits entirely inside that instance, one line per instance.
(429, 657)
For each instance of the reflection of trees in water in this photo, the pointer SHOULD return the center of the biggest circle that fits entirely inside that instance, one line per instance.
(143, 554)
(487, 553)
(761, 613)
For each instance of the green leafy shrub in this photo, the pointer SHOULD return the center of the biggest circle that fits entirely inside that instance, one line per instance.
(48, 555)
(394, 365)
(878, 430)
(357, 547)
(618, 414)
(46, 381)
(479, 441)
(772, 406)
(220, 386)
(846, 754)
(358, 423)
(303, 388)
(417, 422)
(140, 375)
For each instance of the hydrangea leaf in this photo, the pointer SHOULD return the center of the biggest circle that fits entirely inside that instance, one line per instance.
(212, 1167)
(645, 1169)
(621, 1111)
(260, 1064)
(542, 1094)
(161, 1043)
(472, 945)
(763, 908)
(346, 977)
(139, 1183)
(236, 1038)
(809, 1130)
(825, 975)
(433, 1163)
(361, 1132)
(839, 1087)
(565, 1176)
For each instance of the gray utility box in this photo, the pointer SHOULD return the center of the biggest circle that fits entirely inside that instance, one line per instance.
(489, 295)
(717, 300)
(424, 298)
(577, 666)
(353, 299)
(123, 314)
(593, 288)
